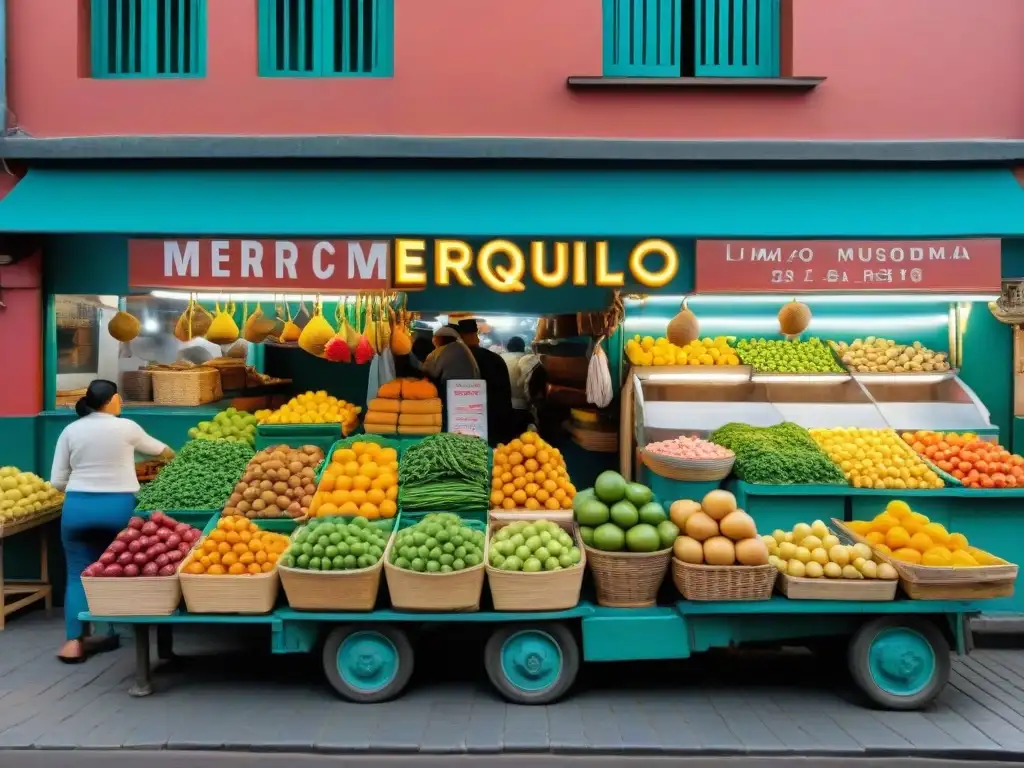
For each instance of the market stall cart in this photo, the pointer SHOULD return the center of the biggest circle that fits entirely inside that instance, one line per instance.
(898, 651)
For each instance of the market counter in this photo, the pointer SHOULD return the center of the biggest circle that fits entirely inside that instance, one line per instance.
(988, 518)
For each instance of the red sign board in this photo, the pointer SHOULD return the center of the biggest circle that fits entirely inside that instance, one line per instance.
(794, 266)
(279, 266)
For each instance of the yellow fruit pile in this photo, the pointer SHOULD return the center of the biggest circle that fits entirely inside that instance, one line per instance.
(660, 351)
(530, 474)
(360, 480)
(910, 537)
(23, 494)
(814, 552)
(875, 458)
(314, 408)
(236, 547)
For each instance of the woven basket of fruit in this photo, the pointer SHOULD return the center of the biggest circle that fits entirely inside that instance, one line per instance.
(186, 387)
(334, 565)
(420, 578)
(723, 582)
(233, 569)
(534, 565)
(953, 570)
(719, 555)
(137, 575)
(627, 579)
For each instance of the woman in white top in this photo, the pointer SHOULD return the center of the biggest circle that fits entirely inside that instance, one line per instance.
(94, 464)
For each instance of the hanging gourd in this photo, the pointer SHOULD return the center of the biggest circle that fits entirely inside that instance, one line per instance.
(336, 350)
(348, 328)
(290, 332)
(385, 315)
(363, 351)
(794, 318)
(600, 389)
(317, 333)
(370, 326)
(684, 327)
(223, 329)
(124, 326)
(401, 342)
(193, 323)
(257, 326)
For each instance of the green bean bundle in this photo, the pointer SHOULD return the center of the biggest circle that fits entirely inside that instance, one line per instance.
(445, 472)
(444, 457)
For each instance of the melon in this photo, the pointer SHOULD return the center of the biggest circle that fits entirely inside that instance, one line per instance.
(718, 503)
(700, 527)
(794, 318)
(738, 525)
(688, 550)
(751, 552)
(683, 328)
(681, 510)
(718, 550)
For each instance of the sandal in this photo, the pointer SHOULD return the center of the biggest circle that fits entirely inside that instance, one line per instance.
(93, 645)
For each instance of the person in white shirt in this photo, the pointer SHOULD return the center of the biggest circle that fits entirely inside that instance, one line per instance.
(94, 464)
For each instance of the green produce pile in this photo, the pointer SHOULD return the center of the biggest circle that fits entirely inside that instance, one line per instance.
(616, 515)
(779, 356)
(533, 546)
(202, 476)
(445, 471)
(232, 425)
(780, 455)
(439, 543)
(324, 545)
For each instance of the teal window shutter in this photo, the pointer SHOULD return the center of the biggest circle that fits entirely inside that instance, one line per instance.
(736, 38)
(326, 38)
(642, 38)
(148, 38)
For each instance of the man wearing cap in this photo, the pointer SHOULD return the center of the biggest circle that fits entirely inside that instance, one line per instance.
(451, 359)
(500, 420)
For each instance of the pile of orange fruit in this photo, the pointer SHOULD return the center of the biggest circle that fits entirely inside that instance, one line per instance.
(236, 547)
(975, 463)
(361, 479)
(911, 537)
(530, 474)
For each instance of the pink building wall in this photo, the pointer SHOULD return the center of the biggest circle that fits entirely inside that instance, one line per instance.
(896, 69)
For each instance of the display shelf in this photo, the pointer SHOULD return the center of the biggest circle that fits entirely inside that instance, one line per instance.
(783, 506)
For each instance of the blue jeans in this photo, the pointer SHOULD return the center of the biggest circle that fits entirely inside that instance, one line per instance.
(88, 524)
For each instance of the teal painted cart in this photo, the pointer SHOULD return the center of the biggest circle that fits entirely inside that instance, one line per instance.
(898, 652)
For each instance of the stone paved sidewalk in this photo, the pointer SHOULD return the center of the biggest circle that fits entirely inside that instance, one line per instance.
(240, 697)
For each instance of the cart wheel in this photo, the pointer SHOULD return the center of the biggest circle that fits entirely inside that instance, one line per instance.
(532, 663)
(900, 663)
(368, 665)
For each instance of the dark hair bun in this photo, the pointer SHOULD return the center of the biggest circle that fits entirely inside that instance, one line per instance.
(82, 407)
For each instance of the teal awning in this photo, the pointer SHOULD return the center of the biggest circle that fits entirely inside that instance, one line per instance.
(516, 203)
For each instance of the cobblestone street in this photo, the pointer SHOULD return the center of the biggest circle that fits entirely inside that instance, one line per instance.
(235, 697)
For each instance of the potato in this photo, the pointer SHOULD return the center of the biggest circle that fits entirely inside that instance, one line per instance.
(295, 466)
(265, 485)
(295, 481)
(306, 501)
(272, 511)
(244, 506)
(269, 497)
(280, 487)
(259, 505)
(310, 489)
(283, 502)
(250, 493)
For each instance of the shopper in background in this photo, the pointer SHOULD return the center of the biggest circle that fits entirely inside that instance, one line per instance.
(500, 421)
(451, 359)
(515, 350)
(94, 464)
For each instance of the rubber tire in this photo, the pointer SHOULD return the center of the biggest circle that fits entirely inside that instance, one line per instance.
(860, 646)
(570, 663)
(402, 645)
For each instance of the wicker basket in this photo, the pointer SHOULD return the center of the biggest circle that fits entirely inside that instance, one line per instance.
(542, 591)
(929, 582)
(233, 374)
(137, 386)
(194, 387)
(723, 582)
(415, 591)
(627, 579)
(139, 596)
(687, 470)
(354, 590)
(228, 594)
